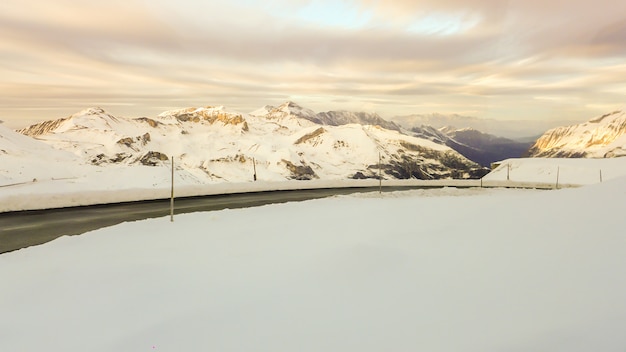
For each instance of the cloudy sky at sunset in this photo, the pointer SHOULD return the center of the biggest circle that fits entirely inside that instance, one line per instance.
(498, 59)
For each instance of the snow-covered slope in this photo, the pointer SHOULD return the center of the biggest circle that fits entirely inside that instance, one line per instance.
(211, 144)
(23, 159)
(601, 137)
(430, 270)
(552, 171)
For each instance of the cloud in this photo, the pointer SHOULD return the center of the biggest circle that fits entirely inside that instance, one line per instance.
(398, 56)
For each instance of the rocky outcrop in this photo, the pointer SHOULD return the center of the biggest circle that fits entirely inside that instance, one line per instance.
(42, 128)
(103, 159)
(300, 172)
(309, 136)
(153, 158)
(207, 114)
(152, 123)
(129, 142)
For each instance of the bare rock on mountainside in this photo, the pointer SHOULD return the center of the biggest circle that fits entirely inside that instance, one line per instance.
(153, 158)
(600, 137)
(299, 172)
(130, 142)
(152, 123)
(208, 114)
(309, 136)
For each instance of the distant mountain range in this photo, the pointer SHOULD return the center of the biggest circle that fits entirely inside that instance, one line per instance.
(484, 148)
(517, 130)
(600, 137)
(212, 144)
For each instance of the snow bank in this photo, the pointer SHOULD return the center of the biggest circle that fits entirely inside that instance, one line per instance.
(99, 185)
(545, 171)
(466, 270)
(58, 193)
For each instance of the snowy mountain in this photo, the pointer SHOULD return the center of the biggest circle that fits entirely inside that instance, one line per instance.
(212, 144)
(338, 118)
(600, 137)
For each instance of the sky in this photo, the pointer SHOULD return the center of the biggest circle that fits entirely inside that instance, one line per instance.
(492, 59)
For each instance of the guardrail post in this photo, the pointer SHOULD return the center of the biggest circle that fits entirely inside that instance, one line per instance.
(172, 194)
(380, 177)
(254, 166)
(557, 176)
(600, 175)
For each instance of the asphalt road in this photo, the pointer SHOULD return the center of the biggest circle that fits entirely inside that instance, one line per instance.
(30, 228)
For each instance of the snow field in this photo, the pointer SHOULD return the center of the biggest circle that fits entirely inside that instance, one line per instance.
(431, 270)
(569, 172)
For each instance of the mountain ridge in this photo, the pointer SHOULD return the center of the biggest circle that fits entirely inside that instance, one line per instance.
(600, 137)
(512, 129)
(214, 144)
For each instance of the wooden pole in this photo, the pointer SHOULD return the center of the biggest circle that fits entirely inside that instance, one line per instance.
(254, 166)
(380, 177)
(557, 177)
(508, 171)
(172, 194)
(600, 175)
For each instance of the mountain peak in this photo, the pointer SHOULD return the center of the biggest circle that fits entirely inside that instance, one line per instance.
(262, 111)
(290, 104)
(96, 110)
(292, 107)
(92, 118)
